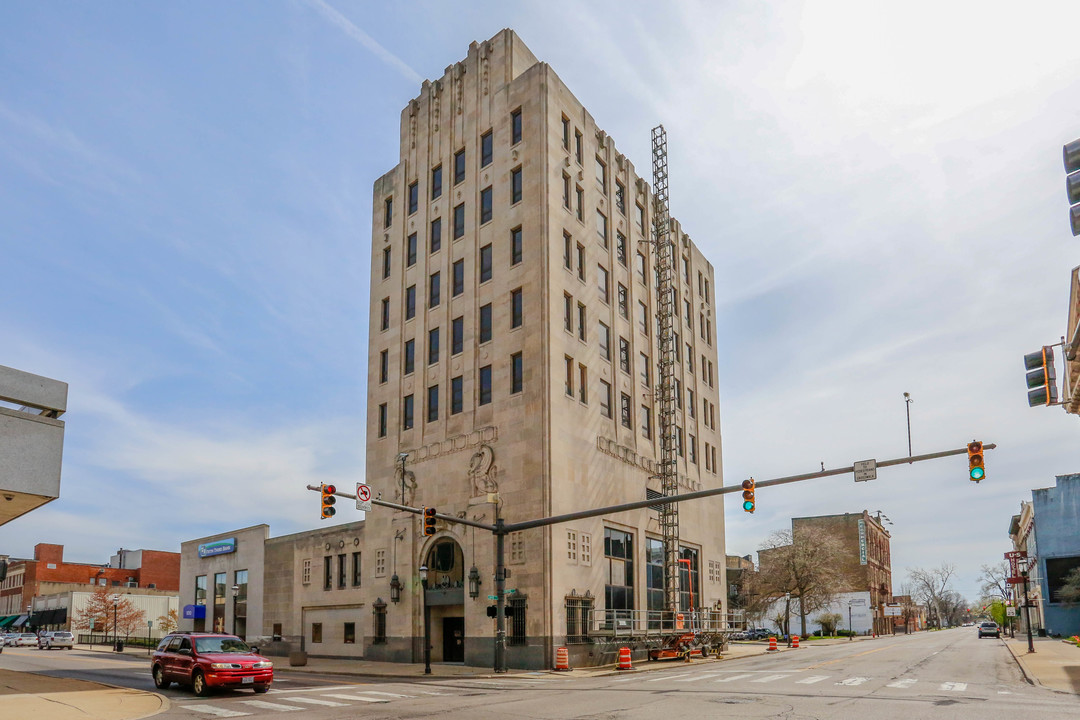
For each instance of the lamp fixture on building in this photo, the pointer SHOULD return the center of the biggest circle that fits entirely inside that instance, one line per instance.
(474, 582)
(395, 589)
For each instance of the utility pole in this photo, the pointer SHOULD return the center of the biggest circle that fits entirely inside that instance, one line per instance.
(907, 408)
(1027, 611)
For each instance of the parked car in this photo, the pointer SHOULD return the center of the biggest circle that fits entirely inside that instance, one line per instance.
(26, 640)
(209, 660)
(42, 639)
(987, 629)
(60, 640)
(10, 638)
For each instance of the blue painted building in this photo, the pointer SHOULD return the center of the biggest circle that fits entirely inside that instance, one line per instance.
(1057, 533)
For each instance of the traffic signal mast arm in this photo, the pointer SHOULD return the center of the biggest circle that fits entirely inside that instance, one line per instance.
(415, 511)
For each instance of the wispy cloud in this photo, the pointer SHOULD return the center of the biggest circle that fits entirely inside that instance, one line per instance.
(364, 39)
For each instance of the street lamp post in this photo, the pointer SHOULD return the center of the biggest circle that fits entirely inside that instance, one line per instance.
(1027, 611)
(427, 621)
(235, 592)
(115, 629)
(907, 407)
(849, 628)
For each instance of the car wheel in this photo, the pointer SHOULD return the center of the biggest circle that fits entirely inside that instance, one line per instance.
(159, 678)
(261, 688)
(198, 684)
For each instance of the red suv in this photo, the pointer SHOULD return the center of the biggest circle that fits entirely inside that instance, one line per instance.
(209, 660)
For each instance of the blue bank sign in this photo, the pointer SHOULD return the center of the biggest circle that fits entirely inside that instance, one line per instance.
(219, 547)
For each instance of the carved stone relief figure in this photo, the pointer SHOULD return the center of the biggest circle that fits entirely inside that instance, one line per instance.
(483, 472)
(410, 487)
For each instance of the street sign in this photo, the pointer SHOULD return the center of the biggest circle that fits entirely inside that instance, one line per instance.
(1010, 611)
(363, 497)
(493, 597)
(1015, 557)
(893, 611)
(865, 470)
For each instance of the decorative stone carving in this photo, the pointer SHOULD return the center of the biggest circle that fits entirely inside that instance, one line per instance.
(483, 472)
(409, 486)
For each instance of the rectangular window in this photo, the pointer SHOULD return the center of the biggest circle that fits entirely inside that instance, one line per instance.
(678, 394)
(568, 313)
(316, 632)
(410, 356)
(384, 365)
(515, 127)
(624, 296)
(388, 212)
(568, 250)
(583, 383)
(577, 145)
(619, 580)
(566, 132)
(433, 403)
(581, 262)
(602, 283)
(517, 373)
(601, 174)
(688, 313)
(605, 341)
(382, 420)
(566, 191)
(459, 166)
(434, 290)
(457, 335)
(580, 202)
(641, 219)
(483, 396)
(620, 248)
(620, 197)
(693, 449)
(456, 394)
(689, 358)
(605, 398)
(686, 269)
(690, 403)
(624, 411)
(643, 317)
(386, 263)
(515, 186)
(384, 314)
(414, 198)
(485, 263)
(350, 633)
(356, 569)
(435, 238)
(485, 149)
(643, 369)
(485, 323)
(436, 182)
(410, 302)
(646, 422)
(379, 630)
(407, 413)
(459, 221)
(624, 355)
(601, 227)
(641, 268)
(459, 277)
(410, 250)
(515, 308)
(380, 563)
(305, 578)
(485, 205)
(569, 375)
(328, 572)
(582, 322)
(433, 346)
(515, 246)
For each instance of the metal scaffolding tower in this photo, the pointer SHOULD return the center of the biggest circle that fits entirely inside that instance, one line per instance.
(666, 313)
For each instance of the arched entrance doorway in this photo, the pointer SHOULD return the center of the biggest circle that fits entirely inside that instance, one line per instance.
(446, 599)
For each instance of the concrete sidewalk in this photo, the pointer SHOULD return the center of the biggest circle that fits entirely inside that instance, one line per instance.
(29, 695)
(1054, 664)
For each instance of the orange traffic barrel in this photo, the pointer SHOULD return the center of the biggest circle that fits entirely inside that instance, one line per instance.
(794, 641)
(624, 659)
(772, 643)
(562, 659)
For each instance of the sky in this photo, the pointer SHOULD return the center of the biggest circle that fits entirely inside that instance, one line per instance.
(185, 203)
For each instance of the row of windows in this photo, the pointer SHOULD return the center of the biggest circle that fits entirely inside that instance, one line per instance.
(435, 244)
(345, 570)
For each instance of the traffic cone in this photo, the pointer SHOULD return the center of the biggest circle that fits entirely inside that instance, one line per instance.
(624, 659)
(772, 644)
(562, 660)
(795, 641)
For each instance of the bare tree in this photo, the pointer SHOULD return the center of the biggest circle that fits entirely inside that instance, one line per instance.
(993, 581)
(807, 567)
(930, 586)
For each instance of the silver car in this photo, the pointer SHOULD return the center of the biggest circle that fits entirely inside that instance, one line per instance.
(60, 640)
(26, 640)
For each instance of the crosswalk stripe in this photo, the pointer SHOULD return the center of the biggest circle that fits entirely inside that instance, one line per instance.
(216, 711)
(625, 679)
(853, 681)
(377, 692)
(317, 701)
(905, 683)
(769, 678)
(733, 677)
(361, 698)
(954, 687)
(812, 679)
(667, 677)
(263, 705)
(700, 677)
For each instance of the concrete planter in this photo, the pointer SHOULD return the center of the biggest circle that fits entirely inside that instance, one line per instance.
(297, 658)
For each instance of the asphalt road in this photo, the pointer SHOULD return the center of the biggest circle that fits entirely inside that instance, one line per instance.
(950, 674)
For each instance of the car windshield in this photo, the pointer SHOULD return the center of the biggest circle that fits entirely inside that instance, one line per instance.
(221, 645)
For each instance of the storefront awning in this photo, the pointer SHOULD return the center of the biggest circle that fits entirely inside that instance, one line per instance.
(20, 621)
(37, 619)
(59, 616)
(7, 620)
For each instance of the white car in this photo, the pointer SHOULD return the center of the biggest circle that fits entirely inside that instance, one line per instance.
(10, 638)
(26, 640)
(60, 640)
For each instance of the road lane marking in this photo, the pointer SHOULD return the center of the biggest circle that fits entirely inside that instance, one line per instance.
(769, 678)
(317, 701)
(812, 679)
(263, 705)
(905, 683)
(849, 657)
(700, 677)
(858, 680)
(320, 688)
(625, 679)
(361, 698)
(668, 677)
(216, 711)
(377, 692)
(954, 687)
(733, 677)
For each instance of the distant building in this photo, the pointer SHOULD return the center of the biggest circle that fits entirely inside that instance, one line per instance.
(1057, 517)
(1070, 392)
(737, 570)
(1022, 534)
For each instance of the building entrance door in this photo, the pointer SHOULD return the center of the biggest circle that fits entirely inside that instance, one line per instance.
(453, 632)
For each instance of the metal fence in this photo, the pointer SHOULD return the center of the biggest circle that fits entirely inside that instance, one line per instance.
(645, 623)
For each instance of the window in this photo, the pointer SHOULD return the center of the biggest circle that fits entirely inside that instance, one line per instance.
(641, 219)
(577, 145)
(580, 202)
(485, 323)
(517, 604)
(515, 127)
(620, 248)
(568, 249)
(624, 411)
(693, 449)
(436, 182)
(582, 322)
(434, 290)
(350, 632)
(515, 186)
(568, 312)
(677, 344)
(641, 268)
(646, 422)
(679, 441)
(459, 277)
(407, 413)
(388, 212)
(485, 149)
(380, 563)
(410, 250)
(643, 317)
(386, 262)
(619, 558)
(410, 302)
(515, 246)
(654, 573)
(569, 375)
(515, 308)
(688, 314)
(581, 262)
(328, 573)
(605, 340)
(566, 132)
(379, 631)
(689, 358)
(583, 383)
(605, 398)
(459, 221)
(578, 614)
(678, 394)
(566, 191)
(624, 355)
(623, 300)
(485, 263)
(316, 631)
(601, 227)
(433, 403)
(620, 197)
(456, 394)
(356, 569)
(517, 373)
(382, 420)
(384, 365)
(384, 314)
(410, 356)
(485, 205)
(601, 174)
(602, 283)
(686, 269)
(517, 548)
(689, 577)
(459, 166)
(643, 368)
(435, 238)
(305, 577)
(433, 346)
(414, 197)
(484, 390)
(700, 283)
(457, 335)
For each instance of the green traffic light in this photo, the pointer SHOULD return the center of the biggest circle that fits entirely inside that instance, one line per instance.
(977, 473)
(748, 506)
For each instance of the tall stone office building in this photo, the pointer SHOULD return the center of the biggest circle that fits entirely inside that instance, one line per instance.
(512, 356)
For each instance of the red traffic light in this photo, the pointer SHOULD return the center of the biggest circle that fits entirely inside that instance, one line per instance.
(429, 521)
(328, 501)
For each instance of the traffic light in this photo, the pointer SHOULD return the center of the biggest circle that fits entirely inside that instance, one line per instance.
(1072, 183)
(429, 521)
(748, 495)
(976, 469)
(1041, 378)
(493, 611)
(328, 501)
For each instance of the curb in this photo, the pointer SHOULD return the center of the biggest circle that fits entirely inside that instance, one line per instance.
(1031, 679)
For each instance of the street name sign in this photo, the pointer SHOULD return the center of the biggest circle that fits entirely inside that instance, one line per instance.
(363, 497)
(865, 470)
